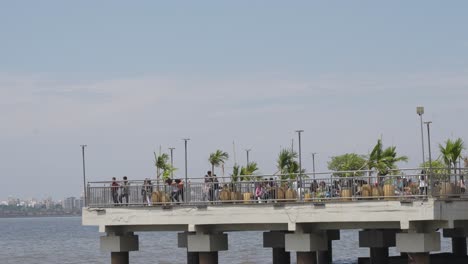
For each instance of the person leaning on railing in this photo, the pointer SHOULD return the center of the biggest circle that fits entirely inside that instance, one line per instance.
(115, 190)
(124, 190)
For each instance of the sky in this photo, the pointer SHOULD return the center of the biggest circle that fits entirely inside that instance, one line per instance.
(128, 78)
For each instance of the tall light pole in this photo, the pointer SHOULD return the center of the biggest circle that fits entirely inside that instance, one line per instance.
(247, 152)
(420, 112)
(428, 123)
(300, 160)
(84, 173)
(313, 163)
(172, 163)
(186, 181)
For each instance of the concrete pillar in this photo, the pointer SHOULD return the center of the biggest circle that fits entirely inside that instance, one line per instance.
(119, 246)
(281, 256)
(208, 257)
(203, 246)
(418, 246)
(326, 256)
(419, 258)
(119, 258)
(193, 258)
(307, 257)
(458, 236)
(378, 241)
(459, 246)
(306, 245)
(275, 240)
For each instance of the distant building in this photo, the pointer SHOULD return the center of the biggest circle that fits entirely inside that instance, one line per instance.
(79, 203)
(69, 204)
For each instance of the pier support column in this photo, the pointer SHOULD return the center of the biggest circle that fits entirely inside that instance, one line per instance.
(306, 245)
(378, 241)
(326, 257)
(458, 236)
(192, 257)
(119, 246)
(275, 240)
(206, 246)
(418, 246)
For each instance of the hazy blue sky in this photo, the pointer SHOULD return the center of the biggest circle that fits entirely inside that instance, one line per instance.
(127, 77)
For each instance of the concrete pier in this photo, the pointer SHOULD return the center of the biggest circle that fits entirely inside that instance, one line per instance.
(304, 229)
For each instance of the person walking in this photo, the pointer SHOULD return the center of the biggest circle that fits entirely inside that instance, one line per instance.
(115, 191)
(124, 190)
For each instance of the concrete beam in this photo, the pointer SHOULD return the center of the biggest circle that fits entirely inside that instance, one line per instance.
(377, 238)
(197, 242)
(306, 242)
(123, 243)
(418, 242)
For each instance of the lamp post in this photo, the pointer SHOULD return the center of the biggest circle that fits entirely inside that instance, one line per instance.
(313, 164)
(84, 174)
(300, 161)
(247, 152)
(186, 181)
(428, 123)
(172, 163)
(420, 112)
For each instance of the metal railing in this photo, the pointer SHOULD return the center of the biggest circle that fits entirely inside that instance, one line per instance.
(335, 186)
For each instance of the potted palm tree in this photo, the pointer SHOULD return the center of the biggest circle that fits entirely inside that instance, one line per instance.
(288, 169)
(450, 153)
(384, 160)
(216, 159)
(163, 170)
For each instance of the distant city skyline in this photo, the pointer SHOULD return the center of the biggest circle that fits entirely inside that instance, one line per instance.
(129, 78)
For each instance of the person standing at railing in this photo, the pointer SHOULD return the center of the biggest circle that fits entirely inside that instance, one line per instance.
(215, 188)
(462, 184)
(422, 183)
(209, 185)
(115, 190)
(147, 191)
(124, 190)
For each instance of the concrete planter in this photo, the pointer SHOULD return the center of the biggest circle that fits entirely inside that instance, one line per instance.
(366, 190)
(377, 191)
(346, 194)
(389, 191)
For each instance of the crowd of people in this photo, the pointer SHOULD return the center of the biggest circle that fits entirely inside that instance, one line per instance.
(120, 190)
(267, 189)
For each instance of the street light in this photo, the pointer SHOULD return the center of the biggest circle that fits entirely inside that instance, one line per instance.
(84, 173)
(313, 163)
(247, 152)
(186, 181)
(420, 112)
(172, 163)
(300, 161)
(428, 123)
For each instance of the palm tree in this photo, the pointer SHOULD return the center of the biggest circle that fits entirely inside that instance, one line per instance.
(161, 164)
(247, 171)
(451, 152)
(217, 158)
(287, 164)
(384, 160)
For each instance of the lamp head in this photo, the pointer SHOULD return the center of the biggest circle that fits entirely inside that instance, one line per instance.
(420, 110)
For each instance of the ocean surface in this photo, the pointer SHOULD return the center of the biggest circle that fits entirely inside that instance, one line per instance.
(63, 240)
